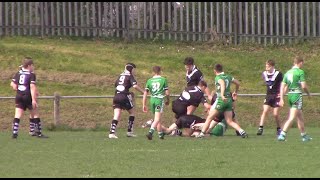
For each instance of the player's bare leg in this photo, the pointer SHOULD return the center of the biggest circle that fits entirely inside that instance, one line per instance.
(154, 125)
(277, 119)
(228, 118)
(292, 115)
(300, 123)
(212, 113)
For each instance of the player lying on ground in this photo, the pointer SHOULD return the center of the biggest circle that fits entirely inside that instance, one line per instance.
(190, 125)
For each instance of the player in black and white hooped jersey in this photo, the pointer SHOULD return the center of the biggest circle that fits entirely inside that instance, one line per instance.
(194, 75)
(123, 99)
(272, 79)
(24, 83)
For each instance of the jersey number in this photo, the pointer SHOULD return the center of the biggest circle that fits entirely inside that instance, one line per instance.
(227, 83)
(22, 78)
(155, 86)
(121, 79)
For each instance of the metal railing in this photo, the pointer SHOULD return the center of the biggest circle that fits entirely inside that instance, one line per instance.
(57, 98)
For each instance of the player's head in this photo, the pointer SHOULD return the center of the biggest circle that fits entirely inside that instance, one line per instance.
(298, 61)
(130, 67)
(27, 63)
(188, 63)
(203, 85)
(270, 65)
(218, 68)
(156, 70)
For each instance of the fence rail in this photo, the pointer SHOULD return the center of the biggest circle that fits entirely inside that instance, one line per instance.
(57, 98)
(221, 22)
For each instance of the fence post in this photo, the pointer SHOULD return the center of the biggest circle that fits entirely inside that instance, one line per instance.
(235, 22)
(56, 109)
(127, 14)
(41, 18)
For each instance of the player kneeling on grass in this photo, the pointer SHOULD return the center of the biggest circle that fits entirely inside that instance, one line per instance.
(158, 88)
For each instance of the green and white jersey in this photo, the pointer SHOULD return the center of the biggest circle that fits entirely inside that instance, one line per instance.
(227, 79)
(157, 86)
(293, 79)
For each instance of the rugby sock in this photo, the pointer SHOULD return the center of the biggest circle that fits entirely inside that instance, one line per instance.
(303, 134)
(113, 126)
(241, 131)
(130, 123)
(178, 132)
(260, 127)
(283, 133)
(15, 125)
(31, 125)
(151, 130)
(37, 123)
(161, 134)
(278, 128)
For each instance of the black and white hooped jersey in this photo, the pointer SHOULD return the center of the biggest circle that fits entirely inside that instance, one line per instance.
(124, 82)
(192, 95)
(23, 78)
(194, 77)
(273, 81)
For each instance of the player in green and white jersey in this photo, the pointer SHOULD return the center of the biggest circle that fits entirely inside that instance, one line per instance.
(158, 88)
(224, 101)
(294, 82)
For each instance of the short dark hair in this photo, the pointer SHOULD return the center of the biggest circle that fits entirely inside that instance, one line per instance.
(271, 62)
(156, 69)
(203, 83)
(298, 59)
(218, 68)
(130, 66)
(188, 61)
(27, 61)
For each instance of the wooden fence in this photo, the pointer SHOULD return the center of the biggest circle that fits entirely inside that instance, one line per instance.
(226, 22)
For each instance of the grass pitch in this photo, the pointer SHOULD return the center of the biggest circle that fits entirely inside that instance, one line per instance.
(85, 154)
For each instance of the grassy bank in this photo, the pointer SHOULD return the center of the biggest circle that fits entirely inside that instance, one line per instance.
(89, 67)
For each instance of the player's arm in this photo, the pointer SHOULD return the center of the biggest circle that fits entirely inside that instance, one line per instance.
(34, 96)
(207, 92)
(283, 89)
(235, 93)
(222, 88)
(144, 101)
(305, 87)
(304, 84)
(14, 85)
(167, 102)
(212, 94)
(207, 107)
(138, 88)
